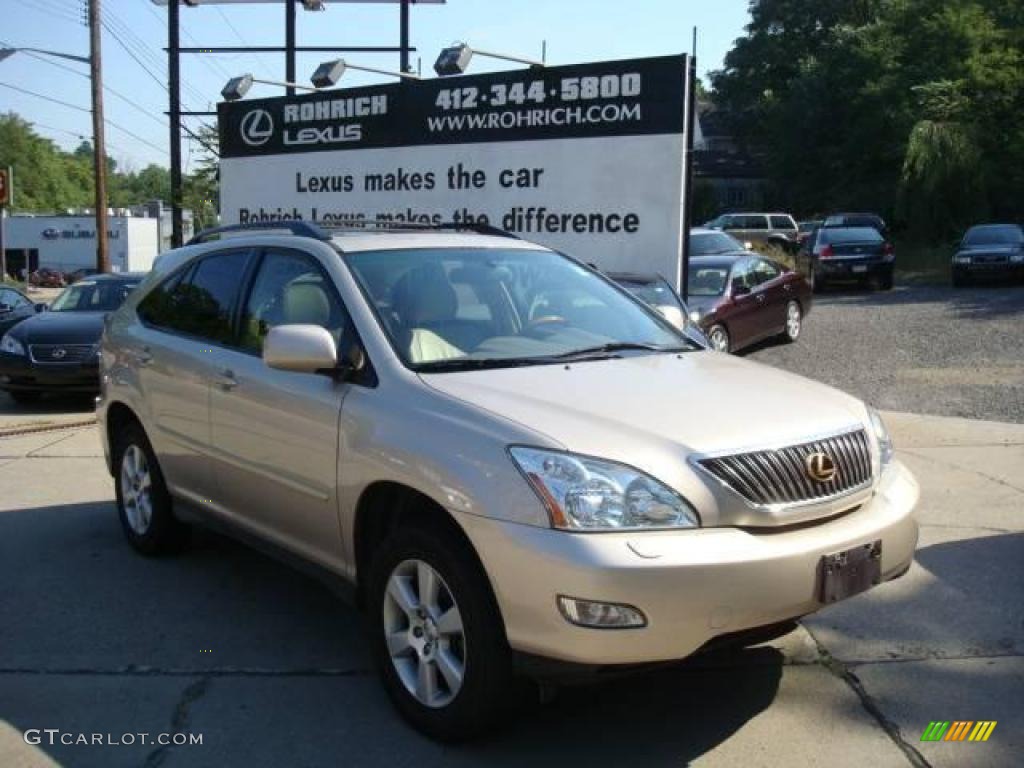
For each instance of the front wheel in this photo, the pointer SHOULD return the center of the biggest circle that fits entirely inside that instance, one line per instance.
(438, 639)
(718, 337)
(794, 322)
(885, 281)
(143, 503)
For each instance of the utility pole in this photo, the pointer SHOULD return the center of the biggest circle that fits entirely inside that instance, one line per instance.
(289, 44)
(403, 34)
(99, 145)
(174, 88)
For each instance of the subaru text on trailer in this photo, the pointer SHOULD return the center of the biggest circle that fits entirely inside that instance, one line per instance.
(515, 465)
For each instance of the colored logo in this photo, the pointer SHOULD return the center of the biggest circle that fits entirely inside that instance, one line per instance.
(958, 730)
(820, 467)
(257, 127)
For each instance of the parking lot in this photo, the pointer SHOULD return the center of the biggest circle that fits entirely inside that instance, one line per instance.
(272, 670)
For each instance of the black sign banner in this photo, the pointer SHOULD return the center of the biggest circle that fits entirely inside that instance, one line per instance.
(621, 98)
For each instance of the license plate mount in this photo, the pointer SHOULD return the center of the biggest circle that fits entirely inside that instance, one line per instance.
(850, 572)
(860, 268)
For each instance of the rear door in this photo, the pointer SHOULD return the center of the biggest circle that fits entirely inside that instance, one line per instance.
(742, 321)
(275, 433)
(185, 323)
(771, 294)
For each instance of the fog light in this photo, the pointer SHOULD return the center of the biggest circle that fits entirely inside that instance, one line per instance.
(589, 613)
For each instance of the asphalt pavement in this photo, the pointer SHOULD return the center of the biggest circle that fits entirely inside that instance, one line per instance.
(921, 348)
(271, 669)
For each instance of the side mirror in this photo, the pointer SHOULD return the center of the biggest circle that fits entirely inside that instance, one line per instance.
(6, 309)
(300, 348)
(738, 289)
(42, 307)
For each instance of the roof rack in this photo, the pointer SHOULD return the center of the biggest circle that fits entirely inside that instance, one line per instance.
(322, 231)
(295, 226)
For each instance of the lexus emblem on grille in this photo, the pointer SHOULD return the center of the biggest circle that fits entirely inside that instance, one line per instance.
(59, 353)
(820, 467)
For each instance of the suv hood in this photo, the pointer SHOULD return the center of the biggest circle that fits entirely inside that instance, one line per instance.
(702, 402)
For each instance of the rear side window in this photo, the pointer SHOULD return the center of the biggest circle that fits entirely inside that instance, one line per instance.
(782, 222)
(755, 222)
(201, 301)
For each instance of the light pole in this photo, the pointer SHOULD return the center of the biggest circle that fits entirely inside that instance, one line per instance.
(98, 133)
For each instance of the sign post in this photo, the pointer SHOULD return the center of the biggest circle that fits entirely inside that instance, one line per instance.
(588, 159)
(6, 200)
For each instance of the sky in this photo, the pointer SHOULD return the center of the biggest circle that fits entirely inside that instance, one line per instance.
(135, 66)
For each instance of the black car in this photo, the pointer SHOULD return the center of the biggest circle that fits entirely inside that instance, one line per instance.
(859, 254)
(57, 351)
(989, 250)
(15, 307)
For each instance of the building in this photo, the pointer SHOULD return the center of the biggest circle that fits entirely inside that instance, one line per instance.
(68, 243)
(155, 209)
(734, 177)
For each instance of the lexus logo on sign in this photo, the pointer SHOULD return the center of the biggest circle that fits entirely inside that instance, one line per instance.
(257, 127)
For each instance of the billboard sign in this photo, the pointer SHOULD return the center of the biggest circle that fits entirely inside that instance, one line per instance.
(588, 159)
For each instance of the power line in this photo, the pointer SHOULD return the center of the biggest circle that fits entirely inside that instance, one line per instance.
(87, 111)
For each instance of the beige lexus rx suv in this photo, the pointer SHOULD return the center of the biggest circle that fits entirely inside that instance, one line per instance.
(511, 464)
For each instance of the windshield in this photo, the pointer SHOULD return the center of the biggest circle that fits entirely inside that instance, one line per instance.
(707, 280)
(710, 243)
(656, 293)
(92, 296)
(464, 308)
(850, 235)
(994, 236)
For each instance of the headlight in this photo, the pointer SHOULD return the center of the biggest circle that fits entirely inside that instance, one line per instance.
(958, 259)
(882, 437)
(11, 345)
(585, 494)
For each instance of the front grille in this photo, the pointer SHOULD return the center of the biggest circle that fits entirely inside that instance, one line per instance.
(777, 477)
(61, 353)
(990, 258)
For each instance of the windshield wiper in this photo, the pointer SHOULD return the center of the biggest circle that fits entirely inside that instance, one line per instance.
(479, 364)
(608, 350)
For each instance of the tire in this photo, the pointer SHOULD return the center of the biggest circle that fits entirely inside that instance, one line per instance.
(25, 397)
(885, 281)
(794, 322)
(143, 503)
(718, 336)
(424, 661)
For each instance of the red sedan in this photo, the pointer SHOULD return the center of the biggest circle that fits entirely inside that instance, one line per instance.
(739, 299)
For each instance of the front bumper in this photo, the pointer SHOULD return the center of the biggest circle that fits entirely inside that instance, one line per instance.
(990, 269)
(17, 372)
(692, 586)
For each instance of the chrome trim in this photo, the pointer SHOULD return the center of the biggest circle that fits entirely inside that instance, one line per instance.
(774, 470)
(92, 349)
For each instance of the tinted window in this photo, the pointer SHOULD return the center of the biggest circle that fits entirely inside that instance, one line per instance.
(707, 280)
(290, 288)
(201, 301)
(708, 243)
(742, 274)
(852, 235)
(754, 222)
(994, 236)
(782, 222)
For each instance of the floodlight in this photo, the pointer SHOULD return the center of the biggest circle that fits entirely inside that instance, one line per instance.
(330, 72)
(237, 87)
(454, 60)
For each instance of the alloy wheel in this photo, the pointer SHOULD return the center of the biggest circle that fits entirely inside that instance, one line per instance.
(423, 630)
(136, 489)
(793, 320)
(719, 339)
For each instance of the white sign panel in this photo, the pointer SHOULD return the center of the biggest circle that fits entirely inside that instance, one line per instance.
(587, 159)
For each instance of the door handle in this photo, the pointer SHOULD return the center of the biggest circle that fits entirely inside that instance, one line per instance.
(226, 380)
(760, 297)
